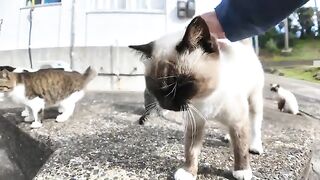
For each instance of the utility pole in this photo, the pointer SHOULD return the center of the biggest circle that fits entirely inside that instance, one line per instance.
(30, 33)
(72, 35)
(256, 44)
(286, 37)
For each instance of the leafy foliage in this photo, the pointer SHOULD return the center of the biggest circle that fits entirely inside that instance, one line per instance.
(306, 21)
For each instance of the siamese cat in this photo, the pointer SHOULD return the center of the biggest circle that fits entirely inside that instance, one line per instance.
(46, 87)
(287, 102)
(205, 77)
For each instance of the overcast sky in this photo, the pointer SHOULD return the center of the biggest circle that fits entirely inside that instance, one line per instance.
(311, 3)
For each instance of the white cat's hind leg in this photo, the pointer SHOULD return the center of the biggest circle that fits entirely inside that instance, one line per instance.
(68, 105)
(29, 117)
(1, 97)
(37, 106)
(25, 112)
(68, 111)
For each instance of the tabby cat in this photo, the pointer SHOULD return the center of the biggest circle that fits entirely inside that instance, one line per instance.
(46, 87)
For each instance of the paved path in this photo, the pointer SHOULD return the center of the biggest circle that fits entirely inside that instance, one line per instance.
(103, 140)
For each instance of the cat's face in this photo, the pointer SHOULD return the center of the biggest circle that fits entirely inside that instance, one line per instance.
(7, 81)
(181, 67)
(274, 87)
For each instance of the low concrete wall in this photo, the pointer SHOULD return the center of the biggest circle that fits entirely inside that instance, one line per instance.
(119, 68)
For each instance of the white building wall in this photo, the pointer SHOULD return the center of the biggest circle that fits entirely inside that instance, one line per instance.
(101, 37)
(52, 24)
(10, 25)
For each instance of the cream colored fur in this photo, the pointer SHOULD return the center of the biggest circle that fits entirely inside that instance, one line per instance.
(236, 102)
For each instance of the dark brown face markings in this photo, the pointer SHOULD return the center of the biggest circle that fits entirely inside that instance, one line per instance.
(8, 68)
(171, 79)
(197, 35)
(171, 88)
(274, 88)
(145, 49)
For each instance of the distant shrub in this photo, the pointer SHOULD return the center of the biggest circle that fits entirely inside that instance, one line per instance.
(264, 38)
(271, 46)
(277, 37)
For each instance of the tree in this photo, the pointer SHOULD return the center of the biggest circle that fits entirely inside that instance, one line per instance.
(305, 19)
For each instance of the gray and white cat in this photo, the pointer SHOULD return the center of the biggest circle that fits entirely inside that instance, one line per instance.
(206, 78)
(287, 101)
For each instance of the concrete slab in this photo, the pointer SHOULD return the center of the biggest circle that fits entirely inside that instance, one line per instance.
(104, 141)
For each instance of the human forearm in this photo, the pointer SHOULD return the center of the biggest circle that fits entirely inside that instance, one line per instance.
(240, 19)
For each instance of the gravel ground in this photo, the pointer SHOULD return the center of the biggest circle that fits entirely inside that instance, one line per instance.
(103, 141)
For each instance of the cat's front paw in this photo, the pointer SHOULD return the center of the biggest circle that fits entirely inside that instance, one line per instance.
(36, 124)
(28, 119)
(226, 138)
(61, 118)
(142, 120)
(243, 174)
(182, 174)
(25, 113)
(256, 148)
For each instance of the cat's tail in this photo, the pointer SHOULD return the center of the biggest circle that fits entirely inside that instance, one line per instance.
(88, 75)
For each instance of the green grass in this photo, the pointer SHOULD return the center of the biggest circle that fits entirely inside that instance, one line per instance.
(301, 73)
(305, 49)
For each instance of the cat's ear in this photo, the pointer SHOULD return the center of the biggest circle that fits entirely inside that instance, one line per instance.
(145, 49)
(198, 35)
(5, 74)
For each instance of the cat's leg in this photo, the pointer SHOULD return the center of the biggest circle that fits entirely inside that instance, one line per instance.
(150, 103)
(239, 134)
(29, 117)
(37, 106)
(256, 117)
(68, 106)
(1, 96)
(226, 138)
(192, 145)
(25, 112)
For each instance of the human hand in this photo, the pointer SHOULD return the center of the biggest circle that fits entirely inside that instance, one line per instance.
(214, 25)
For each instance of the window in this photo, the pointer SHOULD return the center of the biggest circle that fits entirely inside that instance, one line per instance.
(128, 5)
(40, 2)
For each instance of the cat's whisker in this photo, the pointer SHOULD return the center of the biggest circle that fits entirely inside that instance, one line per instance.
(198, 112)
(193, 125)
(175, 90)
(166, 77)
(185, 117)
(166, 86)
(171, 91)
